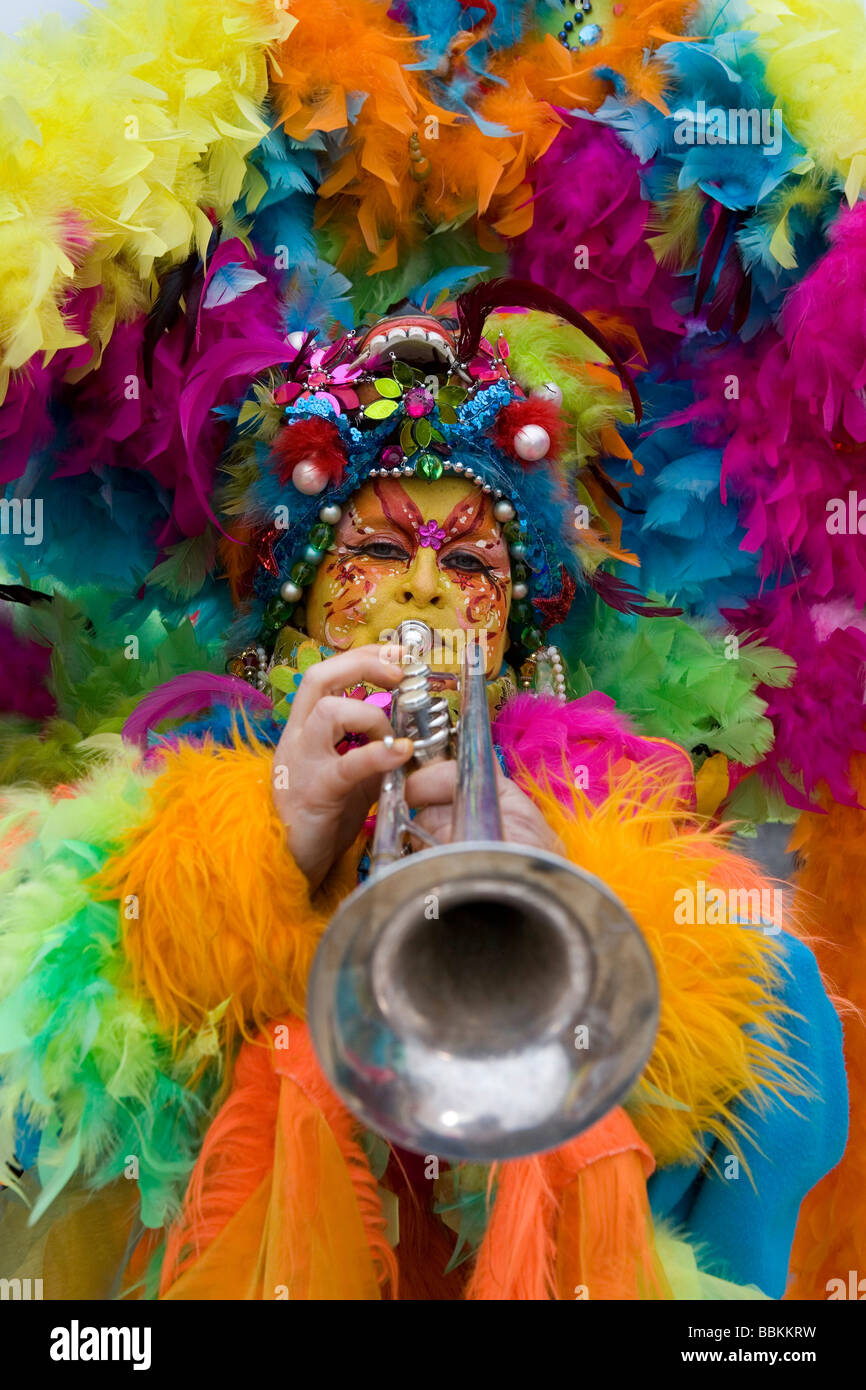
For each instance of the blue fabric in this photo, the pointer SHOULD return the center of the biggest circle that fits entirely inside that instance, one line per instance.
(744, 1229)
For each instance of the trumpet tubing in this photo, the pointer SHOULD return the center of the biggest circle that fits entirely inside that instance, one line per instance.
(477, 1000)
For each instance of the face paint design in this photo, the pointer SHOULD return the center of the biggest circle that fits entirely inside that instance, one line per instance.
(406, 548)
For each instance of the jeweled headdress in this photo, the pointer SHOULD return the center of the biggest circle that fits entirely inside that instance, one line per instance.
(487, 388)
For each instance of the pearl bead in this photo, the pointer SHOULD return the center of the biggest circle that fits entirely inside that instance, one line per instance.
(487, 488)
(519, 591)
(309, 478)
(531, 443)
(330, 514)
(550, 391)
(296, 339)
(503, 511)
(289, 592)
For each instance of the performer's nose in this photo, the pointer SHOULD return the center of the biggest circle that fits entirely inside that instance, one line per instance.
(423, 584)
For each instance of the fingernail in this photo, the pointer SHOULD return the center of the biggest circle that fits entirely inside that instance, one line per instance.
(402, 746)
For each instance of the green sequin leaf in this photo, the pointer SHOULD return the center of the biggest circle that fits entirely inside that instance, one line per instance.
(423, 431)
(403, 373)
(407, 439)
(380, 410)
(386, 387)
(451, 395)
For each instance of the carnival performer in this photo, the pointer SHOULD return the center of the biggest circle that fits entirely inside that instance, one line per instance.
(169, 1120)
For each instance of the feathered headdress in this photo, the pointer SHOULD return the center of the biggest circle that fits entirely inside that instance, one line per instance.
(421, 394)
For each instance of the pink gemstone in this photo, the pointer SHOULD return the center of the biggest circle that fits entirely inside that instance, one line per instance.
(418, 402)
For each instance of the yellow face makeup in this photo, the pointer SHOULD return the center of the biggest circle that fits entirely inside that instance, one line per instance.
(406, 548)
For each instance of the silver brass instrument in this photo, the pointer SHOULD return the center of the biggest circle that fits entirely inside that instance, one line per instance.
(476, 1000)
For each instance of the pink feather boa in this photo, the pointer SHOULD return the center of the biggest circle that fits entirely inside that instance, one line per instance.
(586, 742)
(818, 719)
(588, 194)
(794, 434)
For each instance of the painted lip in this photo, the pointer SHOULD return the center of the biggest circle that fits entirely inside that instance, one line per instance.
(410, 338)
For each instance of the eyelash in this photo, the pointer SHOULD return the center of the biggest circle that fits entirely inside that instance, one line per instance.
(399, 554)
(368, 549)
(478, 567)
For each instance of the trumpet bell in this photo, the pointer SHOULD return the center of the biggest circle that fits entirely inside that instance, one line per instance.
(482, 1001)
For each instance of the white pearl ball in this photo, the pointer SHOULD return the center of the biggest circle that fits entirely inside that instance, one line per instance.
(295, 339)
(330, 514)
(531, 443)
(503, 511)
(289, 592)
(519, 591)
(309, 478)
(550, 391)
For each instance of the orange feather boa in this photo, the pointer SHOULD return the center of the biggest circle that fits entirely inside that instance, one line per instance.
(224, 918)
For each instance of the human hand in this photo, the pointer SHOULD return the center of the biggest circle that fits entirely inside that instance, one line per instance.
(433, 789)
(323, 797)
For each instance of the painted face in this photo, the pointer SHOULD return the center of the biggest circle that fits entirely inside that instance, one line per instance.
(406, 548)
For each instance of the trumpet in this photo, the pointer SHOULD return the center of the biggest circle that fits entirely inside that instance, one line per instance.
(477, 1000)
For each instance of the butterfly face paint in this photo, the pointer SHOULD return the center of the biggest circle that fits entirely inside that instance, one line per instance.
(406, 548)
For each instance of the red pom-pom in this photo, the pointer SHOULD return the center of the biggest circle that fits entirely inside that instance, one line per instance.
(515, 416)
(314, 441)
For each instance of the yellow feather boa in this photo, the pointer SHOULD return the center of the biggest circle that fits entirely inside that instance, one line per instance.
(814, 53)
(116, 134)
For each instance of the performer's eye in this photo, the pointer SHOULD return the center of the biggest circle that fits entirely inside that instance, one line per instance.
(383, 550)
(466, 561)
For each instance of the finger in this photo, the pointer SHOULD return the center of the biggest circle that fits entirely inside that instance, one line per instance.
(334, 717)
(370, 763)
(433, 785)
(438, 821)
(332, 676)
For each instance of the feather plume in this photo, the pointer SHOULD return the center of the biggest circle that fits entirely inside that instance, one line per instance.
(187, 695)
(474, 307)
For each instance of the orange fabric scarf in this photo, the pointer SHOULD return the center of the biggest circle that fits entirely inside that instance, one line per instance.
(282, 1203)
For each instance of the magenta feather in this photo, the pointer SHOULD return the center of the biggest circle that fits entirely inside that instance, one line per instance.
(585, 742)
(626, 598)
(119, 421)
(818, 720)
(781, 464)
(588, 194)
(187, 695)
(824, 327)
